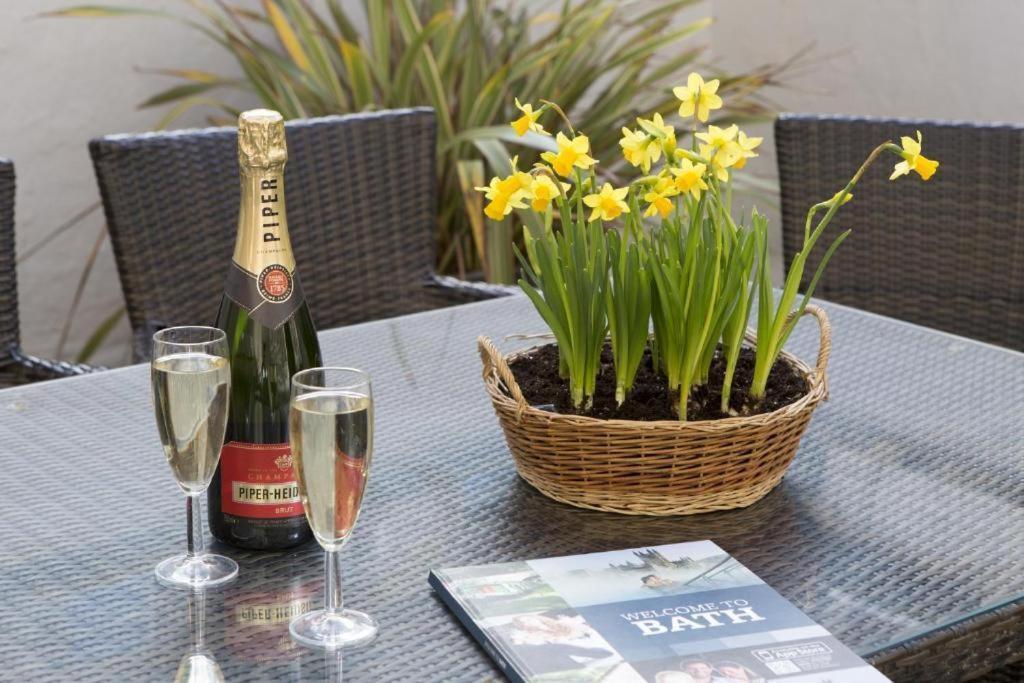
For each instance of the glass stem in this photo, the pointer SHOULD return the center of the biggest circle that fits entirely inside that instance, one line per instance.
(332, 590)
(333, 665)
(197, 618)
(196, 547)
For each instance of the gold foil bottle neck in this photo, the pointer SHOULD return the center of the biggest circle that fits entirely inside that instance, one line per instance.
(261, 139)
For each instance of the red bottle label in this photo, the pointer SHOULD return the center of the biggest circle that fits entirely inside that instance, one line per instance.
(257, 480)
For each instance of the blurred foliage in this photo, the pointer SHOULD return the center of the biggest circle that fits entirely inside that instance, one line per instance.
(605, 61)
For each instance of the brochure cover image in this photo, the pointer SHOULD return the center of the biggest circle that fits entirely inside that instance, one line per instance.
(665, 614)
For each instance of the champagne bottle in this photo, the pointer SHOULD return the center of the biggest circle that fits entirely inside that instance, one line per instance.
(253, 498)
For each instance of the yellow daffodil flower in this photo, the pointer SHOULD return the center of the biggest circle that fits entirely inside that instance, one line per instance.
(697, 97)
(528, 121)
(913, 160)
(639, 148)
(658, 198)
(747, 146)
(505, 194)
(643, 147)
(722, 158)
(543, 191)
(689, 177)
(664, 132)
(607, 204)
(721, 149)
(570, 153)
(635, 145)
(717, 138)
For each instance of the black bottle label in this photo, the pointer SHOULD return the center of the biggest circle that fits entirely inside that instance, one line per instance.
(270, 297)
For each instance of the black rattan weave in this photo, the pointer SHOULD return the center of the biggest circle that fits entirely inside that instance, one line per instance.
(1013, 673)
(361, 192)
(900, 526)
(17, 367)
(8, 275)
(948, 253)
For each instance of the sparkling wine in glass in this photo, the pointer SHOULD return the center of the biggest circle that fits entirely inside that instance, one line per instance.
(191, 381)
(331, 432)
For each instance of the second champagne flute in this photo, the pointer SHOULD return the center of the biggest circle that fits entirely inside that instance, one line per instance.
(331, 432)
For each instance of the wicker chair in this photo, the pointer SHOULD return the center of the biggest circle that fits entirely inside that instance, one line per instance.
(17, 367)
(362, 214)
(948, 253)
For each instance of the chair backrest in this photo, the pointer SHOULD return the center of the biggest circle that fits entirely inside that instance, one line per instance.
(9, 329)
(947, 253)
(361, 192)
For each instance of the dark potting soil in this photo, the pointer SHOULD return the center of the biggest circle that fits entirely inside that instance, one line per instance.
(650, 398)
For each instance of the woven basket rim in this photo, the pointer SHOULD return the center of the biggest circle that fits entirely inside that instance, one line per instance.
(811, 397)
(816, 379)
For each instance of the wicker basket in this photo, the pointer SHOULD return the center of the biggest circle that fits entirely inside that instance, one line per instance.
(653, 468)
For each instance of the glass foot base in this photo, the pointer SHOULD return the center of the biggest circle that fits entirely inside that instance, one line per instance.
(329, 630)
(195, 573)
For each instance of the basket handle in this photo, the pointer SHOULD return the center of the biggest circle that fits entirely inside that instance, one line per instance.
(494, 361)
(824, 342)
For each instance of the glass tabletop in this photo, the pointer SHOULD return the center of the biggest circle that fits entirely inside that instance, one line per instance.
(902, 513)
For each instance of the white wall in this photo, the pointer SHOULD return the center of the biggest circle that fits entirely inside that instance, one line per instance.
(945, 59)
(65, 81)
(936, 59)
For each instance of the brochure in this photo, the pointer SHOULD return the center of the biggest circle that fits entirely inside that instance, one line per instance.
(681, 613)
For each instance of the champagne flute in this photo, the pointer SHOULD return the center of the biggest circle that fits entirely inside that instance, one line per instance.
(191, 380)
(331, 432)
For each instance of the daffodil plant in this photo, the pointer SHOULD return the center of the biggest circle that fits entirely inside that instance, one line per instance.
(628, 305)
(776, 319)
(687, 270)
(745, 247)
(662, 250)
(567, 287)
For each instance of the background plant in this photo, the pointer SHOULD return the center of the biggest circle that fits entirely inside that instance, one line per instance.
(603, 60)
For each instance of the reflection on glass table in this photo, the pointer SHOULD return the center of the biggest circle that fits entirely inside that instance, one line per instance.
(198, 664)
